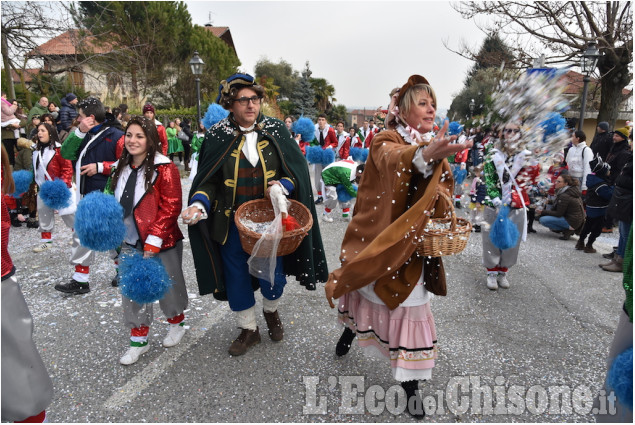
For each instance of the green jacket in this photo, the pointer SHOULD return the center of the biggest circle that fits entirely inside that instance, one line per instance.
(217, 172)
(197, 142)
(341, 172)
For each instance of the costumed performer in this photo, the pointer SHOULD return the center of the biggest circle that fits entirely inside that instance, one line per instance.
(241, 157)
(48, 165)
(339, 176)
(380, 285)
(505, 197)
(148, 187)
(326, 139)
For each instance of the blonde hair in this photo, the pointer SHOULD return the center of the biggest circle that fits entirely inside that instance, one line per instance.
(409, 98)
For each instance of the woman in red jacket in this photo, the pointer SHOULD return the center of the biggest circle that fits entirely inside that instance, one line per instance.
(148, 187)
(48, 164)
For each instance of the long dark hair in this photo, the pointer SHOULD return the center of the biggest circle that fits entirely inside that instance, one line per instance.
(53, 137)
(152, 139)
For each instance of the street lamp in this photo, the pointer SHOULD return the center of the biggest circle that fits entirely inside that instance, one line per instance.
(472, 105)
(196, 63)
(588, 63)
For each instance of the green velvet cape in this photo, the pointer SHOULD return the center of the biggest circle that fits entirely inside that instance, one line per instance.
(308, 262)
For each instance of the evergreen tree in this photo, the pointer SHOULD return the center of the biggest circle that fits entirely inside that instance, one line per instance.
(482, 78)
(492, 54)
(304, 97)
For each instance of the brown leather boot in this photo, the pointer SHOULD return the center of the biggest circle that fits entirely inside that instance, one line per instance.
(566, 235)
(245, 340)
(580, 245)
(276, 331)
(589, 249)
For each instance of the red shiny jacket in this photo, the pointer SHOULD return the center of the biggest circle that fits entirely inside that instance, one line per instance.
(58, 167)
(158, 211)
(345, 149)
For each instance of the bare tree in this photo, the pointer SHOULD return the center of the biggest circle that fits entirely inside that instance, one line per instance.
(563, 30)
(25, 25)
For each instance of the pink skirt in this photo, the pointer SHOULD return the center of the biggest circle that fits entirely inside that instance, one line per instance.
(405, 335)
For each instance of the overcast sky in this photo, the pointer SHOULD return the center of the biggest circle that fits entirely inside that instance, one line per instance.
(363, 48)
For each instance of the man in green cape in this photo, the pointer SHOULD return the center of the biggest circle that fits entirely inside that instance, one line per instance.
(241, 158)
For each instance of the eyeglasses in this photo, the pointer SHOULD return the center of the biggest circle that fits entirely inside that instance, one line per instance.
(510, 130)
(244, 101)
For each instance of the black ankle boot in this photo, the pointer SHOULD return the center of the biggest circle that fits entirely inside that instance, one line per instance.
(414, 407)
(344, 344)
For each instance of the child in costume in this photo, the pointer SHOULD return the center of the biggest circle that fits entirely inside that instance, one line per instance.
(459, 173)
(505, 198)
(558, 167)
(478, 192)
(48, 165)
(148, 187)
(338, 183)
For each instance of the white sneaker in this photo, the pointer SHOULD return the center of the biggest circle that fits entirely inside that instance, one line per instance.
(491, 282)
(43, 246)
(132, 355)
(502, 280)
(175, 333)
(327, 217)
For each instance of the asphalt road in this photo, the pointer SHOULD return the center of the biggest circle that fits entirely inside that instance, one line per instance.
(546, 335)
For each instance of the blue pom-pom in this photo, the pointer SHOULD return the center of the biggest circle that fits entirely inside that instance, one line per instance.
(342, 193)
(55, 194)
(22, 179)
(99, 222)
(143, 280)
(314, 154)
(328, 156)
(355, 153)
(454, 128)
(214, 114)
(555, 123)
(364, 155)
(503, 233)
(305, 128)
(620, 377)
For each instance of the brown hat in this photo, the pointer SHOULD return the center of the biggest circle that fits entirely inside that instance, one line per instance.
(412, 81)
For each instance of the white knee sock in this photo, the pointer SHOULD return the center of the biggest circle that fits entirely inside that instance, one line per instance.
(247, 318)
(269, 306)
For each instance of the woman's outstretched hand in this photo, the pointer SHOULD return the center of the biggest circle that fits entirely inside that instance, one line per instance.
(440, 147)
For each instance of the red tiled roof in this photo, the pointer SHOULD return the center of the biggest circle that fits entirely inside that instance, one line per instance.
(575, 83)
(67, 44)
(28, 75)
(217, 31)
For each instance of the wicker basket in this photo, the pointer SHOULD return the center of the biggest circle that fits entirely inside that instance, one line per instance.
(260, 211)
(442, 242)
